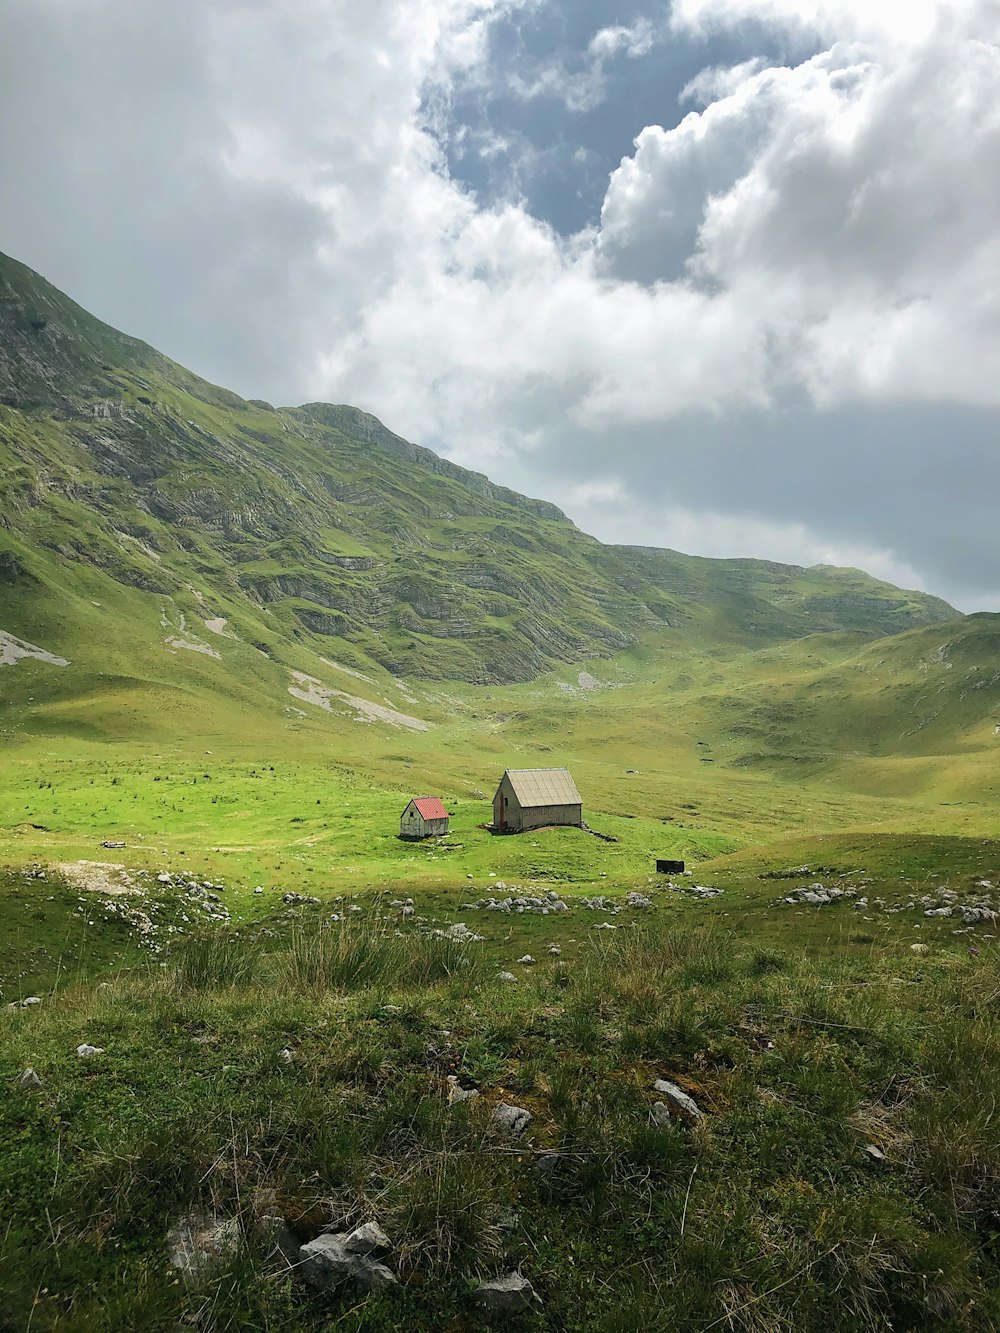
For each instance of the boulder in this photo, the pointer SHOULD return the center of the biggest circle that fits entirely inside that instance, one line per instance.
(29, 1079)
(326, 1262)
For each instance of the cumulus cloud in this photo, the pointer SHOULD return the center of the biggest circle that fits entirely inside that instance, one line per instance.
(781, 333)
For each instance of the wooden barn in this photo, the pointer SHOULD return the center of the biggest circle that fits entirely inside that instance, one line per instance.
(424, 817)
(534, 797)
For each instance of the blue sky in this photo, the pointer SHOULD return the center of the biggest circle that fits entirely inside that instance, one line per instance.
(720, 275)
(558, 150)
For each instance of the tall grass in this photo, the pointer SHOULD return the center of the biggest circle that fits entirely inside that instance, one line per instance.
(369, 954)
(216, 961)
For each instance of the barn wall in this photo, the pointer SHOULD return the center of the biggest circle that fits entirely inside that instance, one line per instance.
(539, 815)
(513, 812)
(411, 824)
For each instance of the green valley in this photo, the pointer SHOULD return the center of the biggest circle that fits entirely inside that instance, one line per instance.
(235, 639)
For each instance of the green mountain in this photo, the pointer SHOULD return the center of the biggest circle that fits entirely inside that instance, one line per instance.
(146, 515)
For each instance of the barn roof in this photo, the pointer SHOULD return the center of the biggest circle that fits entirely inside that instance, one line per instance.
(430, 807)
(543, 786)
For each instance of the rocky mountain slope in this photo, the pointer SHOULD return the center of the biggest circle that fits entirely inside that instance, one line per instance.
(130, 487)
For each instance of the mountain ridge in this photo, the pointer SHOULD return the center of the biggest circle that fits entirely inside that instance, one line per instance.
(316, 530)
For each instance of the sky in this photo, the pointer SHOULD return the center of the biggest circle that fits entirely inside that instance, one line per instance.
(718, 275)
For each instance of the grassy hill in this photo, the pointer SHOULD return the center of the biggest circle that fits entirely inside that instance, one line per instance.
(134, 489)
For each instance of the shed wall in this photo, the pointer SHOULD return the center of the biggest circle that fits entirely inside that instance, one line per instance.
(539, 815)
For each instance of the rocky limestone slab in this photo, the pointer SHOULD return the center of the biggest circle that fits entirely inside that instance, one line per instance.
(678, 1099)
(510, 1294)
(326, 1262)
(369, 1238)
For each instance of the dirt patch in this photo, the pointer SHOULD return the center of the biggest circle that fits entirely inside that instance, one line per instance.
(218, 626)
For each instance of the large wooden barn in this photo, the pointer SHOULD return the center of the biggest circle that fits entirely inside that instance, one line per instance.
(534, 797)
(424, 817)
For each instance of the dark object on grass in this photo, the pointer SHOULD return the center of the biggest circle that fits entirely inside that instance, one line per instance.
(669, 867)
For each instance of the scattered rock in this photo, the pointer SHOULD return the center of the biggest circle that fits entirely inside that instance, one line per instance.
(85, 1051)
(527, 960)
(638, 900)
(286, 1056)
(369, 1238)
(512, 1120)
(279, 1238)
(547, 1165)
(294, 898)
(30, 1000)
(506, 976)
(971, 916)
(678, 1099)
(875, 1154)
(920, 948)
(555, 949)
(29, 1079)
(660, 1114)
(456, 1093)
(460, 932)
(510, 1294)
(199, 1244)
(326, 1262)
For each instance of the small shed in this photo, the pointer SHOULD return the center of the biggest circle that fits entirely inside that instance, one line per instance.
(424, 817)
(535, 797)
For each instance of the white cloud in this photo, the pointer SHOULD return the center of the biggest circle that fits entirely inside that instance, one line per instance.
(261, 190)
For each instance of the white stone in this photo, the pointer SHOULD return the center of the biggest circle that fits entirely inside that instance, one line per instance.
(513, 1120)
(325, 1262)
(678, 1098)
(509, 1294)
(369, 1238)
(456, 1093)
